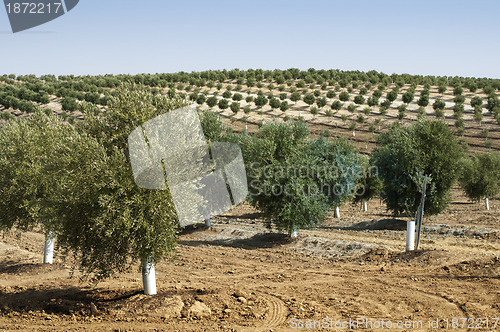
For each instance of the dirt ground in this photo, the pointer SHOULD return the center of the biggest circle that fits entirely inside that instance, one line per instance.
(240, 276)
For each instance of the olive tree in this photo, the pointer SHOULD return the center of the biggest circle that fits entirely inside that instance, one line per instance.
(235, 107)
(309, 99)
(38, 148)
(369, 183)
(408, 97)
(406, 154)
(344, 96)
(480, 176)
(106, 220)
(294, 181)
(274, 103)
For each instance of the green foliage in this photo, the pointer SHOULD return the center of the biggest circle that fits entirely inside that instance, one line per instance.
(331, 94)
(223, 104)
(372, 101)
(405, 155)
(284, 106)
(480, 176)
(212, 125)
(493, 102)
(5, 115)
(69, 104)
(438, 104)
(200, 99)
(369, 184)
(336, 105)
(458, 90)
(408, 97)
(423, 100)
(212, 101)
(476, 101)
(386, 104)
(359, 99)
(392, 95)
(108, 220)
(321, 102)
(237, 97)
(295, 96)
(478, 114)
(344, 96)
(439, 113)
(235, 107)
(274, 103)
(309, 99)
(292, 180)
(27, 149)
(459, 99)
(260, 101)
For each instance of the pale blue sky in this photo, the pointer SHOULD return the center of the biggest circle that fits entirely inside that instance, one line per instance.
(393, 36)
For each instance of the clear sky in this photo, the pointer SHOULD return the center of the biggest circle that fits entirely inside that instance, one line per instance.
(439, 37)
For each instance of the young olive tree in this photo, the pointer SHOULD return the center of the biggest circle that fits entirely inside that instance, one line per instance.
(292, 181)
(107, 221)
(369, 184)
(405, 155)
(33, 152)
(480, 176)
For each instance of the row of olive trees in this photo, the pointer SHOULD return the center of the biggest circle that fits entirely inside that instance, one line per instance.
(86, 196)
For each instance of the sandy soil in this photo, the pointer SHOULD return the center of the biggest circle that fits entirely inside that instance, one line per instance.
(240, 276)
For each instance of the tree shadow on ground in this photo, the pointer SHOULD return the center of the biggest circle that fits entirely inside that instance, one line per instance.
(62, 301)
(382, 224)
(258, 241)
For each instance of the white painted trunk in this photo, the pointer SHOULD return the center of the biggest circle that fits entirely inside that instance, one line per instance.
(410, 235)
(148, 276)
(293, 234)
(364, 205)
(487, 202)
(48, 251)
(208, 222)
(353, 133)
(337, 212)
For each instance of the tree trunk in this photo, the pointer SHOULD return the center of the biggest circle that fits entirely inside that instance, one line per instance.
(364, 205)
(148, 276)
(410, 235)
(48, 252)
(337, 212)
(487, 202)
(293, 232)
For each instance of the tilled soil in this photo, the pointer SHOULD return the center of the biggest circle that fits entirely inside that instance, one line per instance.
(240, 276)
